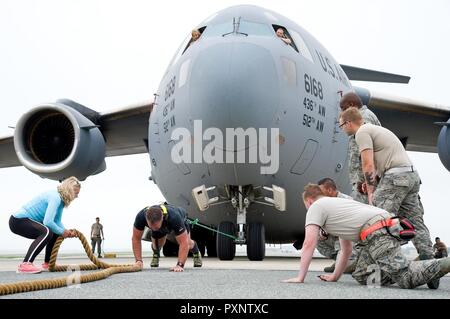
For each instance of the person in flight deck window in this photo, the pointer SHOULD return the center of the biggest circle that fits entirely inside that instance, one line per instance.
(283, 37)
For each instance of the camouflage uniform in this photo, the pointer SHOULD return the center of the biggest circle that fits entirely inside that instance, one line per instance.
(382, 252)
(398, 194)
(354, 158)
(329, 247)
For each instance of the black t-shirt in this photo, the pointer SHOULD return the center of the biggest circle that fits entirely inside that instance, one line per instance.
(175, 220)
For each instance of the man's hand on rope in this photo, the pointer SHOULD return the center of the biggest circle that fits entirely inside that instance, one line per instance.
(139, 264)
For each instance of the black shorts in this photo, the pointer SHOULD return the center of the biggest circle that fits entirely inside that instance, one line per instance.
(160, 234)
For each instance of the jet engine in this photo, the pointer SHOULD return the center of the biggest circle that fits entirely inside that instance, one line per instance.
(444, 145)
(56, 141)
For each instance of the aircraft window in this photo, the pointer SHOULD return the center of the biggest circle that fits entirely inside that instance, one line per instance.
(289, 71)
(242, 27)
(186, 43)
(181, 50)
(196, 35)
(252, 28)
(284, 35)
(184, 70)
(301, 45)
(219, 29)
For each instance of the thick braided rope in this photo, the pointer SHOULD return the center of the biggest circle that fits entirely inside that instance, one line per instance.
(34, 285)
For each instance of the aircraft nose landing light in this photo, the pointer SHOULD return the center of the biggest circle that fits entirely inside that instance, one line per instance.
(201, 197)
(279, 197)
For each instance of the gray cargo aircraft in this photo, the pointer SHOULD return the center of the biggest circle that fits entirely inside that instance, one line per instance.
(244, 117)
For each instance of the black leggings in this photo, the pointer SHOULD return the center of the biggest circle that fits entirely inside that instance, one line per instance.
(43, 236)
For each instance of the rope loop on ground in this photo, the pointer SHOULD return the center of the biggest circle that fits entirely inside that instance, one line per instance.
(34, 285)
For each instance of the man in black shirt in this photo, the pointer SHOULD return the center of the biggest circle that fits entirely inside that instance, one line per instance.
(162, 220)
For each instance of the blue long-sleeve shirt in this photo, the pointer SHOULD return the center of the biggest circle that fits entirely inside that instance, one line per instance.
(46, 209)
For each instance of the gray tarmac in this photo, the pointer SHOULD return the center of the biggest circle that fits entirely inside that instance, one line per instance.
(238, 279)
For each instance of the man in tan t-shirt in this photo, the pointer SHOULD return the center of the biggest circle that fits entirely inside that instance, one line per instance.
(97, 236)
(352, 221)
(391, 180)
(351, 99)
(328, 245)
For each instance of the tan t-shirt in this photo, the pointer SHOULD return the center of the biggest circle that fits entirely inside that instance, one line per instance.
(387, 149)
(342, 217)
(96, 229)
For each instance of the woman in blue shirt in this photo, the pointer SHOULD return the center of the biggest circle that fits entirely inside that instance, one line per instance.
(40, 219)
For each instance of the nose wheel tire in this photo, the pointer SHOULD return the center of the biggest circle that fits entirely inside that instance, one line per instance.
(226, 248)
(256, 241)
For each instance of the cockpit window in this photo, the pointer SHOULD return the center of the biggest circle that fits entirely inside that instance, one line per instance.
(219, 29)
(301, 45)
(253, 28)
(186, 44)
(294, 39)
(180, 50)
(196, 34)
(283, 34)
(238, 26)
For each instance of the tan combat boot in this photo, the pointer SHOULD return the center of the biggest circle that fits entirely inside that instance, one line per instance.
(434, 283)
(197, 259)
(445, 266)
(155, 259)
(330, 268)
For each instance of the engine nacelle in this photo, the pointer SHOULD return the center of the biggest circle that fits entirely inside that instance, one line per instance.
(56, 141)
(444, 145)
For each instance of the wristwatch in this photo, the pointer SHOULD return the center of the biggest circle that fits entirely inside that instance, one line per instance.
(180, 264)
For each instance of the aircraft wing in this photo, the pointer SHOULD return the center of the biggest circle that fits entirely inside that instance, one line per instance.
(360, 74)
(8, 157)
(414, 122)
(125, 131)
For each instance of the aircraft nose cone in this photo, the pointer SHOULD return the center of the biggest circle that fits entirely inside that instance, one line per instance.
(234, 85)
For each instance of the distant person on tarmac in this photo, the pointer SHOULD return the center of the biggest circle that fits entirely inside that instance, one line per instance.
(440, 249)
(40, 219)
(97, 236)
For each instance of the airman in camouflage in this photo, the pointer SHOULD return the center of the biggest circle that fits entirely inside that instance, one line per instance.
(391, 180)
(380, 261)
(381, 255)
(354, 160)
(397, 193)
